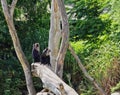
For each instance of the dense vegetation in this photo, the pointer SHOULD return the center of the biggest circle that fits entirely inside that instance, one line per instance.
(94, 34)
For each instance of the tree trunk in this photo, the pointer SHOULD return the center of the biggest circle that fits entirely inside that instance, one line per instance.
(51, 81)
(65, 39)
(57, 33)
(54, 33)
(8, 13)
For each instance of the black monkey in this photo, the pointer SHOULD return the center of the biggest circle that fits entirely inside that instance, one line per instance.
(36, 52)
(45, 57)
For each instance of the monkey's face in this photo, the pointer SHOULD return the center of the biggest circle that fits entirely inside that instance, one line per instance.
(37, 46)
(47, 51)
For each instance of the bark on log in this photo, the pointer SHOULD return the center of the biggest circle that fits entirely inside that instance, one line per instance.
(44, 93)
(51, 81)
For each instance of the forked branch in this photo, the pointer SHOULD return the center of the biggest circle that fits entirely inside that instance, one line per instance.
(12, 7)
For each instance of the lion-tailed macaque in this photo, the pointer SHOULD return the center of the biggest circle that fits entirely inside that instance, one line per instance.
(45, 57)
(36, 52)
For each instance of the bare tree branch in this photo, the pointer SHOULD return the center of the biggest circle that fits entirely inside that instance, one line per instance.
(24, 62)
(5, 8)
(80, 64)
(12, 7)
(85, 71)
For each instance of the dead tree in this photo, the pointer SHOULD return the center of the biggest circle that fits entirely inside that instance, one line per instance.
(58, 36)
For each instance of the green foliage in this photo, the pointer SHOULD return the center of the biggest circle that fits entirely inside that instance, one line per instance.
(95, 34)
(99, 62)
(32, 24)
(95, 38)
(115, 10)
(100, 59)
(33, 19)
(86, 20)
(11, 76)
(116, 88)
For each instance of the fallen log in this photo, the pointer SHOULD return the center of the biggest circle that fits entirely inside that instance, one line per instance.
(44, 93)
(51, 81)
